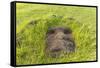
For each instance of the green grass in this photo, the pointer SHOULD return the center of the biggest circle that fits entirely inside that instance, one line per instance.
(31, 36)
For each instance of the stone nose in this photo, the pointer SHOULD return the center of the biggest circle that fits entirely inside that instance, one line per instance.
(59, 35)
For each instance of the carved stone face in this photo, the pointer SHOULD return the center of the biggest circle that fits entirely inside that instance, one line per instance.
(59, 40)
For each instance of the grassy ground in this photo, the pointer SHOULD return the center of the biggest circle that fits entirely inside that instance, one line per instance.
(33, 21)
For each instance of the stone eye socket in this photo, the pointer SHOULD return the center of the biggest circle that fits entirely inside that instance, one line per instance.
(51, 32)
(67, 31)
